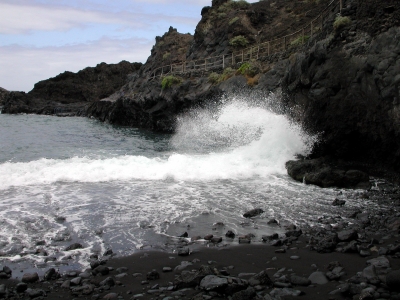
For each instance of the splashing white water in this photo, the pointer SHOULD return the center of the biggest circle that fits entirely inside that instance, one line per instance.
(237, 141)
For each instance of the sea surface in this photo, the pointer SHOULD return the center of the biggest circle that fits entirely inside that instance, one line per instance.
(77, 180)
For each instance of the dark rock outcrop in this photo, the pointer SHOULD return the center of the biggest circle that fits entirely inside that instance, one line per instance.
(327, 173)
(3, 95)
(68, 93)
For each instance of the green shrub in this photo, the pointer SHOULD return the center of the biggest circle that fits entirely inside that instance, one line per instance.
(233, 20)
(341, 22)
(299, 41)
(214, 78)
(169, 81)
(166, 56)
(248, 69)
(238, 41)
(228, 73)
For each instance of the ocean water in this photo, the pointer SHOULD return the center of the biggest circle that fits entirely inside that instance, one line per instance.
(77, 180)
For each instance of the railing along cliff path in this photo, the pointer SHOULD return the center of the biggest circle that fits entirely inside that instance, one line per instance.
(254, 52)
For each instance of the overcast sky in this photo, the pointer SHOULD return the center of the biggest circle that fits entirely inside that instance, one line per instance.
(41, 38)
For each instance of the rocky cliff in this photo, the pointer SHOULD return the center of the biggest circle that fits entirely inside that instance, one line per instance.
(68, 92)
(341, 83)
(3, 94)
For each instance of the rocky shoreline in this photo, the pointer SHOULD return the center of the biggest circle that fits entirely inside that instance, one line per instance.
(354, 255)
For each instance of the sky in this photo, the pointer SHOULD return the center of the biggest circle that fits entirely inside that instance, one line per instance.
(40, 39)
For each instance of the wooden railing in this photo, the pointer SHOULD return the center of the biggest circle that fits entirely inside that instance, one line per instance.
(254, 52)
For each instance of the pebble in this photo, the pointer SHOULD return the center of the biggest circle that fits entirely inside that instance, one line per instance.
(294, 257)
(318, 278)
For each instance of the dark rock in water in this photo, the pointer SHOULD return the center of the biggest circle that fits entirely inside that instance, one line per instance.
(50, 274)
(108, 252)
(195, 238)
(230, 234)
(393, 280)
(272, 221)
(295, 233)
(271, 237)
(338, 202)
(253, 213)
(7, 270)
(208, 237)
(74, 246)
(324, 173)
(153, 275)
(184, 235)
(30, 277)
(216, 240)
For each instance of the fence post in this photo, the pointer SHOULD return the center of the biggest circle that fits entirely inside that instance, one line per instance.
(242, 56)
(341, 6)
(251, 52)
(223, 61)
(258, 51)
(233, 59)
(205, 64)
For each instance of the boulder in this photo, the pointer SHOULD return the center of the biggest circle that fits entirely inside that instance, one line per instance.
(30, 277)
(213, 283)
(252, 213)
(323, 172)
(393, 280)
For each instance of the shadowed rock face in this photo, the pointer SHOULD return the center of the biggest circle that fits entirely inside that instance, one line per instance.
(3, 94)
(343, 84)
(69, 92)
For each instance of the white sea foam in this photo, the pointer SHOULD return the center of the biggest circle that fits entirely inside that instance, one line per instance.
(238, 141)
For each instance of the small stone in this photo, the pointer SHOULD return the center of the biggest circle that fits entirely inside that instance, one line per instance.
(184, 235)
(167, 269)
(347, 235)
(318, 278)
(153, 275)
(338, 202)
(230, 234)
(74, 246)
(253, 213)
(244, 240)
(108, 281)
(216, 240)
(103, 270)
(34, 293)
(208, 237)
(212, 282)
(108, 252)
(298, 280)
(183, 252)
(280, 250)
(294, 257)
(111, 296)
(30, 278)
(365, 253)
(76, 281)
(21, 287)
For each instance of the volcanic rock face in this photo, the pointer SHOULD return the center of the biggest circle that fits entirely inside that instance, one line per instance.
(347, 89)
(343, 84)
(69, 92)
(3, 95)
